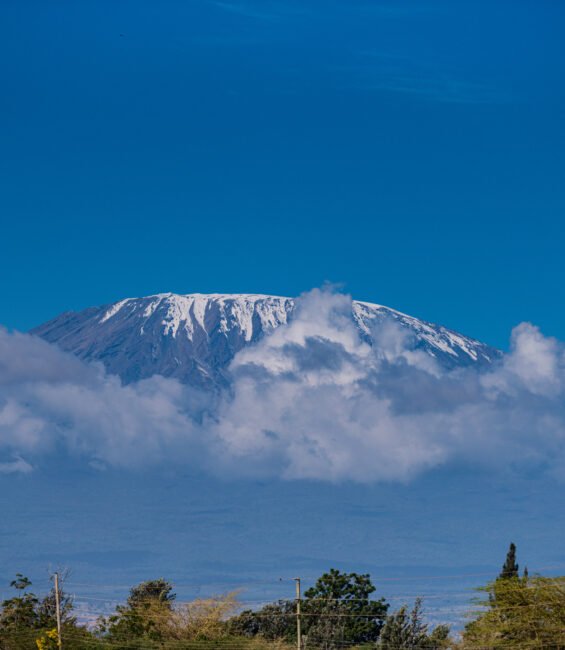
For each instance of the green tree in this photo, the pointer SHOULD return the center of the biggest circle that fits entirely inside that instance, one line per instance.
(510, 566)
(407, 629)
(147, 615)
(150, 592)
(520, 612)
(28, 622)
(338, 610)
(271, 622)
(20, 611)
(18, 618)
(439, 638)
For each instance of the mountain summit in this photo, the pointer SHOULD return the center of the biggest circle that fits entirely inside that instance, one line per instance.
(194, 337)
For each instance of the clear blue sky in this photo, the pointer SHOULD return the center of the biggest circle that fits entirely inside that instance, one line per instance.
(413, 151)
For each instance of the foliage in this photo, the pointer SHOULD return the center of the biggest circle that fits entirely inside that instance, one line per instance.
(520, 611)
(339, 610)
(19, 612)
(526, 611)
(150, 592)
(48, 640)
(439, 638)
(150, 618)
(47, 608)
(224, 643)
(274, 621)
(146, 614)
(28, 622)
(510, 566)
(405, 629)
(203, 619)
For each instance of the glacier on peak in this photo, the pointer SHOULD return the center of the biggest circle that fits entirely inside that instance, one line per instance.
(194, 337)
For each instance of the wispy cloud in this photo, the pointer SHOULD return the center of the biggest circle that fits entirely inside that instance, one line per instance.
(264, 11)
(312, 400)
(394, 73)
(244, 9)
(405, 67)
(16, 466)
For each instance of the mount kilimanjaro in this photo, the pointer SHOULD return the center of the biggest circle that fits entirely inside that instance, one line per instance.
(194, 337)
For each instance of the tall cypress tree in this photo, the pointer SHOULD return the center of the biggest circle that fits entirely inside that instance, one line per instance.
(510, 566)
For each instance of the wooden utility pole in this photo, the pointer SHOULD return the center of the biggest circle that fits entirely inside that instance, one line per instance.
(58, 609)
(298, 630)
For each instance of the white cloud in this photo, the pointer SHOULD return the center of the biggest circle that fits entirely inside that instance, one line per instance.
(16, 466)
(312, 400)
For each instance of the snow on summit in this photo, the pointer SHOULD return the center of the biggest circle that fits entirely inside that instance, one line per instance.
(194, 337)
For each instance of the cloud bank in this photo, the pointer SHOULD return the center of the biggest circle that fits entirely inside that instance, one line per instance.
(310, 401)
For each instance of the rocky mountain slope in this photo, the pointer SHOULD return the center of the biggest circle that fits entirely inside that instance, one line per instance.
(194, 337)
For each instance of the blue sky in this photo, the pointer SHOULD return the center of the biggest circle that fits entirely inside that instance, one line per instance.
(413, 151)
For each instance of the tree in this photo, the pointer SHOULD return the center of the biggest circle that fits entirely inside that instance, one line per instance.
(47, 607)
(27, 621)
(18, 618)
(203, 619)
(271, 622)
(338, 610)
(439, 638)
(146, 615)
(407, 630)
(20, 611)
(150, 592)
(522, 612)
(510, 566)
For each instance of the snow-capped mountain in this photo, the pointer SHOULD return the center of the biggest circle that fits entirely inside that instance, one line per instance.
(194, 337)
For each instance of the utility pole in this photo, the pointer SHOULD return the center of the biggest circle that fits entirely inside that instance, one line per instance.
(298, 630)
(58, 609)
